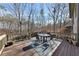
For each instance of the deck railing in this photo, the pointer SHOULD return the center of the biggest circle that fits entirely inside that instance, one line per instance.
(71, 37)
(2, 42)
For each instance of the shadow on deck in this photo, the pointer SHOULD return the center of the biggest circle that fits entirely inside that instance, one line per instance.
(17, 50)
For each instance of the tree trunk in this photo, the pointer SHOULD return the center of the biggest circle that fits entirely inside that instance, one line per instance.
(54, 27)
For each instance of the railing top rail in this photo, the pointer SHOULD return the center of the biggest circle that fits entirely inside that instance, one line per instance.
(2, 36)
(63, 33)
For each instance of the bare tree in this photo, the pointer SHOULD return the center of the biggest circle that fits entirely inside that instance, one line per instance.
(30, 17)
(17, 10)
(54, 10)
(2, 12)
(62, 10)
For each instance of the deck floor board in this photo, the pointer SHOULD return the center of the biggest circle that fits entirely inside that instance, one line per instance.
(66, 49)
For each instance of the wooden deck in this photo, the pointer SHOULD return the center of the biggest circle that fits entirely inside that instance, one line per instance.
(64, 49)
(17, 50)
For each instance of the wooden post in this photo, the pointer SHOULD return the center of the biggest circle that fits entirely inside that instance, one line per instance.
(75, 18)
(77, 23)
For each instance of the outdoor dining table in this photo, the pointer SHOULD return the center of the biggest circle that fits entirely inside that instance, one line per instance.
(44, 37)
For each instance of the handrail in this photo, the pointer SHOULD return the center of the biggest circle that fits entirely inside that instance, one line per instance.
(2, 36)
(2, 42)
(69, 35)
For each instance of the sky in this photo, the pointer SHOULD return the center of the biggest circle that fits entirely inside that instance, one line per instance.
(36, 5)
